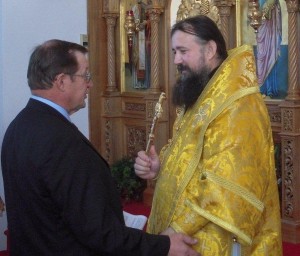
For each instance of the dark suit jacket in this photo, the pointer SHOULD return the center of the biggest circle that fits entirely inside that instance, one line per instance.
(60, 196)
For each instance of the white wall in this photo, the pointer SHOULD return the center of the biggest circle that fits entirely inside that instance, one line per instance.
(3, 221)
(23, 25)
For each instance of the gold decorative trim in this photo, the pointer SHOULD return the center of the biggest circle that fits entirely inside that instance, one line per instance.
(239, 190)
(219, 222)
(176, 227)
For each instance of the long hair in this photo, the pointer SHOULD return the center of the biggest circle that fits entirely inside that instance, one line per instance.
(50, 59)
(205, 29)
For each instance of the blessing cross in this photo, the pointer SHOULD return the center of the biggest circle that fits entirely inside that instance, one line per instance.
(157, 115)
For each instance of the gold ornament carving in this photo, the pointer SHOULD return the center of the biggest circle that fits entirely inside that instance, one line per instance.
(189, 8)
(150, 109)
(288, 190)
(136, 137)
(107, 106)
(135, 107)
(275, 117)
(107, 135)
(287, 120)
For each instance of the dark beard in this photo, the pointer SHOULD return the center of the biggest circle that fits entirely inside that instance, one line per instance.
(187, 89)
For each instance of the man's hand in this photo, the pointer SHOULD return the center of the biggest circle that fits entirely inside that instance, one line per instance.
(147, 166)
(168, 231)
(181, 245)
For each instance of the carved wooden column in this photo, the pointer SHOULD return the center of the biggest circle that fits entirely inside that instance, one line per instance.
(111, 14)
(293, 50)
(111, 52)
(224, 12)
(290, 134)
(154, 15)
(110, 100)
(290, 148)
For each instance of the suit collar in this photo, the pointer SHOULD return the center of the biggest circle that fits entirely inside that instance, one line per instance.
(52, 104)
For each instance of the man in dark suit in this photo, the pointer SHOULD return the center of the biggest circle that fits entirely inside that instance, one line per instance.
(60, 196)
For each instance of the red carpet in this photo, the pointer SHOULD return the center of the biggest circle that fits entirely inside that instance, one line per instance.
(139, 208)
(291, 249)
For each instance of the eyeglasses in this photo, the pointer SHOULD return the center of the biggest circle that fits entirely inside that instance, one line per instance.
(87, 76)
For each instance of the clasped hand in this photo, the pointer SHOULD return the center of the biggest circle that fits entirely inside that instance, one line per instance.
(147, 166)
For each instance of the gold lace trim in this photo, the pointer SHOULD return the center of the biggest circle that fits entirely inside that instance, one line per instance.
(219, 222)
(236, 189)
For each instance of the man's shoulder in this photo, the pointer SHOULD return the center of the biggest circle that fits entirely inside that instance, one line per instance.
(42, 121)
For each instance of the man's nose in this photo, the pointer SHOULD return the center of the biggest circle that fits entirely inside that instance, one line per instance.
(90, 84)
(177, 59)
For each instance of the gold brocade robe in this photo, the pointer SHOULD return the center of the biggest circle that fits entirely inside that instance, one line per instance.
(217, 180)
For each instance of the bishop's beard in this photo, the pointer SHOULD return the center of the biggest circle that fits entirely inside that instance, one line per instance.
(188, 88)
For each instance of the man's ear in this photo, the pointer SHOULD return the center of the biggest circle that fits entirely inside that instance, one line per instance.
(59, 81)
(211, 49)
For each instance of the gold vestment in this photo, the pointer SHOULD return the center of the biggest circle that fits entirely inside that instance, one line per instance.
(217, 179)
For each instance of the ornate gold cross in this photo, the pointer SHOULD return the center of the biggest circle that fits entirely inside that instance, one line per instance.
(157, 115)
